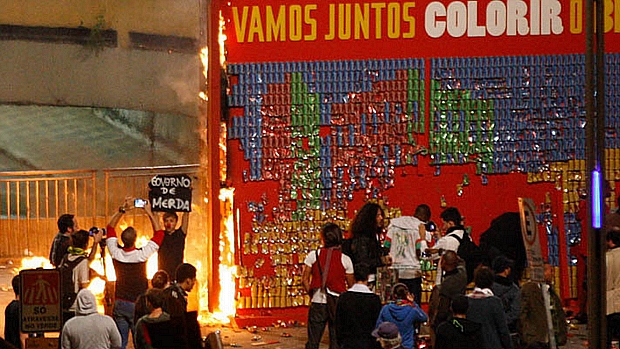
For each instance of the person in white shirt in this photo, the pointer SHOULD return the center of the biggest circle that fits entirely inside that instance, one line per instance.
(404, 234)
(326, 270)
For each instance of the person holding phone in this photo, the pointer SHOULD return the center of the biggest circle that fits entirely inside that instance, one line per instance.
(130, 264)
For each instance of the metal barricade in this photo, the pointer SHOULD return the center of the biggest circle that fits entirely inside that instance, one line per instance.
(32, 201)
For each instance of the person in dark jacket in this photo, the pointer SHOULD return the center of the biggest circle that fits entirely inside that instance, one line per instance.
(487, 309)
(505, 288)
(357, 312)
(459, 332)
(365, 244)
(454, 282)
(403, 312)
(160, 281)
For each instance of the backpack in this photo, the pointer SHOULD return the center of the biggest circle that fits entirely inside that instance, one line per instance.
(470, 253)
(67, 286)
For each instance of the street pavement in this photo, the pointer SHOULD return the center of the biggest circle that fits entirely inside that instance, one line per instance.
(295, 337)
(281, 334)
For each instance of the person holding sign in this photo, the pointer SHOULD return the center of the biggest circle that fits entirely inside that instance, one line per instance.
(171, 194)
(171, 250)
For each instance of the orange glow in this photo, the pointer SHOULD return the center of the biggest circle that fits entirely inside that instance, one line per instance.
(35, 262)
(222, 41)
(227, 268)
(204, 58)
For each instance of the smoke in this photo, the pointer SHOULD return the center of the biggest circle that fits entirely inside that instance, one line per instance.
(184, 81)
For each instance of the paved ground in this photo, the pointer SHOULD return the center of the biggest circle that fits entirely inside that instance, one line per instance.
(295, 337)
(280, 335)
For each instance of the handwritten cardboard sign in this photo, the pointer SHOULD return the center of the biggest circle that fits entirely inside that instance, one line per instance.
(171, 193)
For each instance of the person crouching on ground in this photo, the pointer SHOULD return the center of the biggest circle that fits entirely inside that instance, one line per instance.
(326, 270)
(404, 313)
(89, 329)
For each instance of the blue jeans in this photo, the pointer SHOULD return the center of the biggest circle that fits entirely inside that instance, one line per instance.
(123, 316)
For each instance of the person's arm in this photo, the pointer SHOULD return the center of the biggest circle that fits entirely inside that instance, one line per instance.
(96, 240)
(306, 277)
(514, 311)
(22, 338)
(83, 274)
(115, 336)
(154, 220)
(501, 324)
(349, 270)
(185, 222)
(116, 217)
(350, 280)
(64, 339)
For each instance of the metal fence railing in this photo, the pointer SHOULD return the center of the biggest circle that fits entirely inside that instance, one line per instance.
(32, 201)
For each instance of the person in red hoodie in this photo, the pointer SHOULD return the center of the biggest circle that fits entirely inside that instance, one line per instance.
(326, 270)
(130, 266)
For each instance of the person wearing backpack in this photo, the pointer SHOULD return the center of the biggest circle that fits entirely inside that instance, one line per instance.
(74, 271)
(454, 232)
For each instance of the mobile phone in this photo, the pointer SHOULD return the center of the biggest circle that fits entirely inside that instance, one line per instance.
(139, 203)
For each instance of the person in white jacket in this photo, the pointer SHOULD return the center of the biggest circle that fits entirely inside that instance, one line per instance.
(89, 329)
(406, 236)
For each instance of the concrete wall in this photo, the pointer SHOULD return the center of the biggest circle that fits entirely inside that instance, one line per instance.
(61, 74)
(166, 17)
(116, 77)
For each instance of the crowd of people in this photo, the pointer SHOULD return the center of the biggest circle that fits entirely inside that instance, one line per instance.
(341, 279)
(156, 316)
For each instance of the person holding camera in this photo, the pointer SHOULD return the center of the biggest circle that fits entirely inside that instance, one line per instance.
(76, 262)
(404, 235)
(130, 265)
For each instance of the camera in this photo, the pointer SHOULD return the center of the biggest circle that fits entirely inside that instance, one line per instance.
(139, 203)
(430, 226)
(94, 230)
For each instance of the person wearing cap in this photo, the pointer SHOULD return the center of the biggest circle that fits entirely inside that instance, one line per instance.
(459, 332)
(505, 288)
(388, 336)
(404, 312)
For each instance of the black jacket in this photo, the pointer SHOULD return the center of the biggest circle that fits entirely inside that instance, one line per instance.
(458, 333)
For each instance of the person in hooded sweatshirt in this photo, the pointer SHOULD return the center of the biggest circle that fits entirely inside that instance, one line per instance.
(406, 239)
(459, 332)
(89, 329)
(404, 312)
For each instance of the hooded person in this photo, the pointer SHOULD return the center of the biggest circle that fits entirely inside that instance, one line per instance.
(459, 332)
(89, 329)
(404, 313)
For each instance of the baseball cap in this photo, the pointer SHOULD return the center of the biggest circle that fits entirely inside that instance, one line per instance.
(386, 330)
